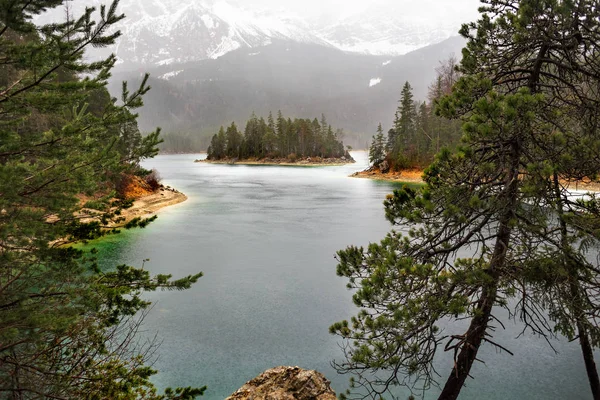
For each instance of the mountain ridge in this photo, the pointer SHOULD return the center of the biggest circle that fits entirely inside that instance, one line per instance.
(159, 32)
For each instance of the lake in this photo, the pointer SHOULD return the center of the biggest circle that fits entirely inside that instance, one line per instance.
(265, 238)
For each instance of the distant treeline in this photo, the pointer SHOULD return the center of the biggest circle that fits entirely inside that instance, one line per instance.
(185, 141)
(281, 138)
(418, 133)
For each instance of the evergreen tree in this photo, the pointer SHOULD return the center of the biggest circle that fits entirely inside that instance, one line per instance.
(300, 137)
(377, 149)
(234, 141)
(217, 148)
(281, 134)
(271, 122)
(527, 117)
(404, 129)
(391, 139)
(546, 34)
(65, 325)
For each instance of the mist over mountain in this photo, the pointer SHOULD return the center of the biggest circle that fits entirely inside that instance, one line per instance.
(162, 32)
(215, 61)
(354, 91)
(172, 31)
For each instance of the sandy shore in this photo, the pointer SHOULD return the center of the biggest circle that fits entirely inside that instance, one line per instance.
(408, 176)
(148, 205)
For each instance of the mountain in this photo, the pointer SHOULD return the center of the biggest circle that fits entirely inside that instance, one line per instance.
(162, 32)
(354, 91)
(384, 28)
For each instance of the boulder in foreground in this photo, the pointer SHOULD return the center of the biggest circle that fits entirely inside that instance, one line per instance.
(286, 383)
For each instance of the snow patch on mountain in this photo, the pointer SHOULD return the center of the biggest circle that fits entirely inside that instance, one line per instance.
(374, 81)
(386, 63)
(171, 74)
(165, 61)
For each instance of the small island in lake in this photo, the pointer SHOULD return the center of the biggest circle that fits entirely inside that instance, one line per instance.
(279, 141)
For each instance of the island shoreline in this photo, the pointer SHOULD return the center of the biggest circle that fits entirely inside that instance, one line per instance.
(328, 162)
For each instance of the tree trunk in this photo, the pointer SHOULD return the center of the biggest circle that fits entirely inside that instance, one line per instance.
(474, 338)
(483, 313)
(588, 358)
(584, 340)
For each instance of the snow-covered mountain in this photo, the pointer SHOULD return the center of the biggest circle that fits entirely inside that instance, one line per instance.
(164, 32)
(396, 28)
(159, 32)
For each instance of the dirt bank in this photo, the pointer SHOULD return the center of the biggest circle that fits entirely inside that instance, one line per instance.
(409, 176)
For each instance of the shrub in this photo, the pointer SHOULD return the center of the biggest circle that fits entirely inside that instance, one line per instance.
(153, 179)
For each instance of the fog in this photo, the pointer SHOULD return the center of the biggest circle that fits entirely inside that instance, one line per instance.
(318, 9)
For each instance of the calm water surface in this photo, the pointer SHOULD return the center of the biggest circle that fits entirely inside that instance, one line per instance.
(265, 238)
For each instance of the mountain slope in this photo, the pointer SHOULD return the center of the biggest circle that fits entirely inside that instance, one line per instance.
(162, 32)
(355, 91)
(197, 31)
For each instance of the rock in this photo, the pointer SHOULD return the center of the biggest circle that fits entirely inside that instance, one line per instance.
(286, 383)
(343, 158)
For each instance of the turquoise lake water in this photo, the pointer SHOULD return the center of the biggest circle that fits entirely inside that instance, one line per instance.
(265, 238)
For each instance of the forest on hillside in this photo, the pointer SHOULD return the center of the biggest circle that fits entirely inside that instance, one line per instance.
(278, 138)
(418, 132)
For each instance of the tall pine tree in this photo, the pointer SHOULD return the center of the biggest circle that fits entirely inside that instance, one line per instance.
(65, 325)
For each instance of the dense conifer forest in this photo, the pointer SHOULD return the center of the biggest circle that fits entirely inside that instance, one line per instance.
(418, 132)
(278, 138)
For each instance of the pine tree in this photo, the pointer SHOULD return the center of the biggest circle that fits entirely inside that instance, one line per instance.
(234, 141)
(530, 123)
(546, 34)
(217, 148)
(64, 324)
(377, 148)
(404, 129)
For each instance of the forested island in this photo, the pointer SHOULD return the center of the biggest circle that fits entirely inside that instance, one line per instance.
(282, 141)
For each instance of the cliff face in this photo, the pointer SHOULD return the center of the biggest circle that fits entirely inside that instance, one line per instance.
(286, 383)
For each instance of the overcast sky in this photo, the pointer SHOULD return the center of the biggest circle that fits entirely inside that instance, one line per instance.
(453, 9)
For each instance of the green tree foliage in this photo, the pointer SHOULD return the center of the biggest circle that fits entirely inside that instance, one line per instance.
(282, 138)
(530, 125)
(67, 329)
(377, 148)
(405, 127)
(418, 133)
